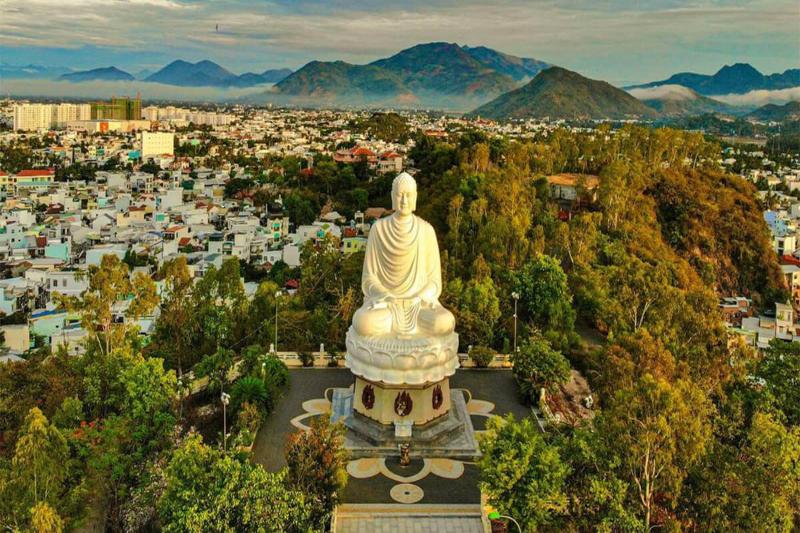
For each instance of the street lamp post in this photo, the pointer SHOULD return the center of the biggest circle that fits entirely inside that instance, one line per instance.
(226, 399)
(278, 294)
(515, 295)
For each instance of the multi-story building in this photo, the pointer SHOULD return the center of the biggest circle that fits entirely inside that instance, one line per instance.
(157, 143)
(32, 117)
(119, 108)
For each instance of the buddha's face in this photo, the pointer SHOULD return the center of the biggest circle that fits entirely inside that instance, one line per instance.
(404, 199)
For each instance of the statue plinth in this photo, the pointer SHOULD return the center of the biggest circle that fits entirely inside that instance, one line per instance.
(402, 379)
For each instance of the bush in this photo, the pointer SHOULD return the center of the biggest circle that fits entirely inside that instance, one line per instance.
(306, 358)
(253, 390)
(250, 417)
(537, 365)
(252, 357)
(481, 356)
(276, 374)
(334, 358)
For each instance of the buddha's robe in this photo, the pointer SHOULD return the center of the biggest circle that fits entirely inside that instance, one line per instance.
(402, 281)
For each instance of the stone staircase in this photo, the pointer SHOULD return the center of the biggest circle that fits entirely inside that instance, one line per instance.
(400, 518)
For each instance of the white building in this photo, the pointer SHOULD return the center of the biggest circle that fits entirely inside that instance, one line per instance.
(157, 143)
(32, 117)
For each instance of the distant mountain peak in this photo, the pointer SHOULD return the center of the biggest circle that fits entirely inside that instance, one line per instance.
(738, 78)
(110, 73)
(558, 93)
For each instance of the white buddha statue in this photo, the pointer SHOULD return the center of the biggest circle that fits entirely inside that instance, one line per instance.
(402, 277)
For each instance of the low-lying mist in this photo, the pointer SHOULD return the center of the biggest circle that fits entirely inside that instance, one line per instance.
(107, 89)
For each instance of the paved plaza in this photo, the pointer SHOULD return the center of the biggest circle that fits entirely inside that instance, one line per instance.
(381, 481)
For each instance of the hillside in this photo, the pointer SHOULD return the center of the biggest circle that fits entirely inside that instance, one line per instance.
(678, 101)
(739, 78)
(445, 68)
(275, 75)
(331, 79)
(519, 68)
(432, 73)
(776, 113)
(97, 74)
(185, 74)
(560, 93)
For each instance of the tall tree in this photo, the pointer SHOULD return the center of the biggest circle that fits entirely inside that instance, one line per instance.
(521, 474)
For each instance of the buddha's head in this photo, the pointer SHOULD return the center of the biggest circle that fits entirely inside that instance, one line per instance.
(404, 194)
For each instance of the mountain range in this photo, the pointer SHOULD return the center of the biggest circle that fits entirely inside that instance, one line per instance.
(179, 73)
(209, 74)
(776, 113)
(558, 93)
(739, 78)
(105, 74)
(677, 100)
(423, 73)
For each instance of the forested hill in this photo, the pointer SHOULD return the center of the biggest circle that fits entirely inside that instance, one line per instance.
(667, 222)
(681, 437)
(560, 93)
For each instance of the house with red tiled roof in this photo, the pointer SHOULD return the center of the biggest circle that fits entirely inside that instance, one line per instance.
(356, 154)
(34, 179)
(390, 163)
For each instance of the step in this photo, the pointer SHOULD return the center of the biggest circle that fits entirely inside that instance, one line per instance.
(400, 518)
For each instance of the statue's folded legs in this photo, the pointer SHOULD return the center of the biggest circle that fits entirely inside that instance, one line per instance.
(382, 321)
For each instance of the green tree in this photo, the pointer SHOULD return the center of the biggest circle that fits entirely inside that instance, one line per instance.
(545, 299)
(45, 519)
(110, 283)
(221, 307)
(522, 475)
(176, 325)
(779, 369)
(216, 368)
(207, 490)
(656, 431)
(316, 462)
(748, 484)
(34, 482)
(476, 307)
(537, 365)
(151, 394)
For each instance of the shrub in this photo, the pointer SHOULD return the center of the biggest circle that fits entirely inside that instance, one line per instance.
(250, 417)
(481, 356)
(252, 357)
(334, 358)
(253, 390)
(306, 358)
(275, 372)
(538, 365)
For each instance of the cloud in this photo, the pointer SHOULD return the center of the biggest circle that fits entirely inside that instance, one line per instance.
(612, 39)
(762, 97)
(664, 92)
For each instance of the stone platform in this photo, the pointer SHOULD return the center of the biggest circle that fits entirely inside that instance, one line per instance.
(450, 435)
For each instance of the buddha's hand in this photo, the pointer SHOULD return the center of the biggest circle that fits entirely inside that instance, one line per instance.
(382, 302)
(428, 296)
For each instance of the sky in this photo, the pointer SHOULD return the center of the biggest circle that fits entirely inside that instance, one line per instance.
(623, 42)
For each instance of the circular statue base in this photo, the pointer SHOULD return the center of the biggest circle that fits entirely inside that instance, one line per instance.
(413, 360)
